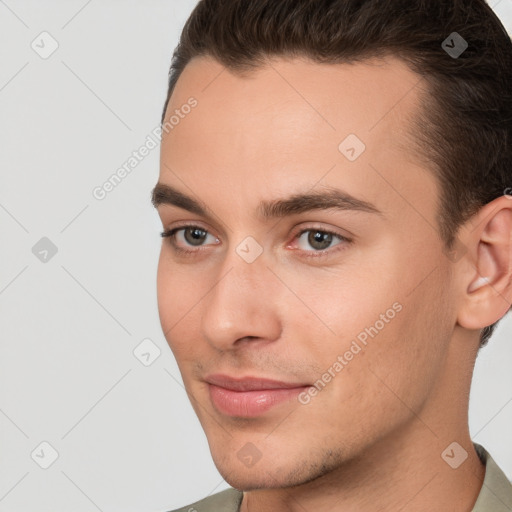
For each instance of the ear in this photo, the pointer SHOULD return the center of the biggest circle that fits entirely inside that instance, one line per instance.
(487, 281)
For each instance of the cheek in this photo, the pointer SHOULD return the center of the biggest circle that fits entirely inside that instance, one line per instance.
(165, 296)
(176, 295)
(403, 361)
(371, 317)
(336, 306)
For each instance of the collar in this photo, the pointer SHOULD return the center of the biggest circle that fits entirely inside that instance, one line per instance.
(496, 492)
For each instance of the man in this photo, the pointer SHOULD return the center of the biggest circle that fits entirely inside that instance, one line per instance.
(337, 247)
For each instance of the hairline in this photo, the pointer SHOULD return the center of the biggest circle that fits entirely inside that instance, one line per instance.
(412, 147)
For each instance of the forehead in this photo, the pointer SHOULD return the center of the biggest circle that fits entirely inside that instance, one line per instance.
(298, 122)
(297, 99)
(359, 96)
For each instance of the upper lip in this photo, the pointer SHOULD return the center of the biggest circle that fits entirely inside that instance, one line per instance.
(249, 383)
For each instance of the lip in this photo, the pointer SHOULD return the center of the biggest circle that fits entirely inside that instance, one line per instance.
(250, 383)
(249, 396)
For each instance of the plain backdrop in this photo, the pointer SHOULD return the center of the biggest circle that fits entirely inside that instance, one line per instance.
(77, 274)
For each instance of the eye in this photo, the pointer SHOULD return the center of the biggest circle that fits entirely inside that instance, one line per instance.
(189, 236)
(314, 240)
(319, 240)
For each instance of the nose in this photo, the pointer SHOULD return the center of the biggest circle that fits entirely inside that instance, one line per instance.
(242, 306)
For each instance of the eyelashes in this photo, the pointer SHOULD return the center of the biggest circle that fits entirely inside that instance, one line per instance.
(188, 240)
(326, 236)
(198, 234)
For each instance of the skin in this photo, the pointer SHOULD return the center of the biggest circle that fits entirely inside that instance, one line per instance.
(372, 439)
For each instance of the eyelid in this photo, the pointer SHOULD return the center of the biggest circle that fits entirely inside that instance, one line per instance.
(186, 224)
(171, 234)
(297, 233)
(319, 227)
(344, 241)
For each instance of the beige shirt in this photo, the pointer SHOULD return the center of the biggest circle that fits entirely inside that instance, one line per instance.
(495, 494)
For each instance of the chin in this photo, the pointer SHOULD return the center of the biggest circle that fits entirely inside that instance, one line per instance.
(270, 473)
(252, 479)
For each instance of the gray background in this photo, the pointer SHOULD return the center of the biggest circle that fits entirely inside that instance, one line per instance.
(126, 436)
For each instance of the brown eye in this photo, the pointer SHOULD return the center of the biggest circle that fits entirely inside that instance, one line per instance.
(319, 239)
(189, 236)
(194, 236)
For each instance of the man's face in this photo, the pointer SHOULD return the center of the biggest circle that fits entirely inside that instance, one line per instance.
(356, 299)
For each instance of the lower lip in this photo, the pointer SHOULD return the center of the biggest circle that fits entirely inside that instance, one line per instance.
(249, 404)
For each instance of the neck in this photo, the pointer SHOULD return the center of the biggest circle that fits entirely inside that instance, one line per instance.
(404, 471)
(389, 477)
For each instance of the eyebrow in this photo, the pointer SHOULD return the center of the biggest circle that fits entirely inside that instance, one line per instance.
(332, 198)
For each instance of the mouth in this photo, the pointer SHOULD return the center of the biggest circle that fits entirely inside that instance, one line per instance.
(250, 396)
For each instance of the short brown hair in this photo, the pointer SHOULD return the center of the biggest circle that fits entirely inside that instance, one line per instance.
(465, 129)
